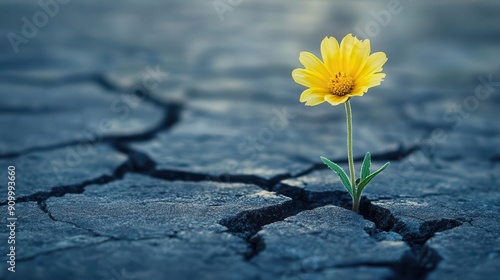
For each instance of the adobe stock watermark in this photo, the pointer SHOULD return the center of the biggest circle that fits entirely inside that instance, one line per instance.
(381, 18)
(120, 109)
(297, 271)
(454, 116)
(223, 6)
(39, 19)
(123, 275)
(456, 113)
(255, 144)
(11, 218)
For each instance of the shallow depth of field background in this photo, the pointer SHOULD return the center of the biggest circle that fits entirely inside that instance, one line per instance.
(436, 50)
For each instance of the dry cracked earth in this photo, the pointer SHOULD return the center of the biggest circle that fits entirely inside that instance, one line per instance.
(212, 171)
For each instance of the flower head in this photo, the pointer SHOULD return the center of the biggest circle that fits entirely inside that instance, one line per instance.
(347, 70)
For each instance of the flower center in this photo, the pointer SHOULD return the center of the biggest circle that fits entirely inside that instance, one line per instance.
(340, 84)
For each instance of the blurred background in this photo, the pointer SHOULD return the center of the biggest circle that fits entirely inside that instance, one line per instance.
(233, 60)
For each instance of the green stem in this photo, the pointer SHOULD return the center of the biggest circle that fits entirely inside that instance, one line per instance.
(355, 199)
(355, 204)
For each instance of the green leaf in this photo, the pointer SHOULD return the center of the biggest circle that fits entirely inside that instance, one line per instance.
(343, 176)
(365, 169)
(367, 180)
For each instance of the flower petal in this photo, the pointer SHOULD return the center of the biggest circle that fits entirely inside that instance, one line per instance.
(359, 57)
(306, 94)
(367, 82)
(308, 78)
(330, 52)
(315, 101)
(335, 99)
(312, 63)
(373, 64)
(375, 80)
(346, 47)
(371, 80)
(358, 91)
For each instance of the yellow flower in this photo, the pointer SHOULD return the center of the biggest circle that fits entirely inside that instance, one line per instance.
(347, 70)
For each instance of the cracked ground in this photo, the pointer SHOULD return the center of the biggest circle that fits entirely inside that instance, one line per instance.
(158, 140)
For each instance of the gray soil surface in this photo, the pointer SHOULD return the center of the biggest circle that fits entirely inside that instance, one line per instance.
(213, 171)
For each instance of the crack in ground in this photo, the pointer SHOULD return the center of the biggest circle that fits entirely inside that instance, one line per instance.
(60, 191)
(32, 111)
(171, 111)
(136, 162)
(96, 78)
(169, 236)
(421, 259)
(113, 239)
(248, 223)
(99, 79)
(268, 184)
(303, 270)
(176, 175)
(415, 264)
(43, 206)
(170, 118)
(245, 224)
